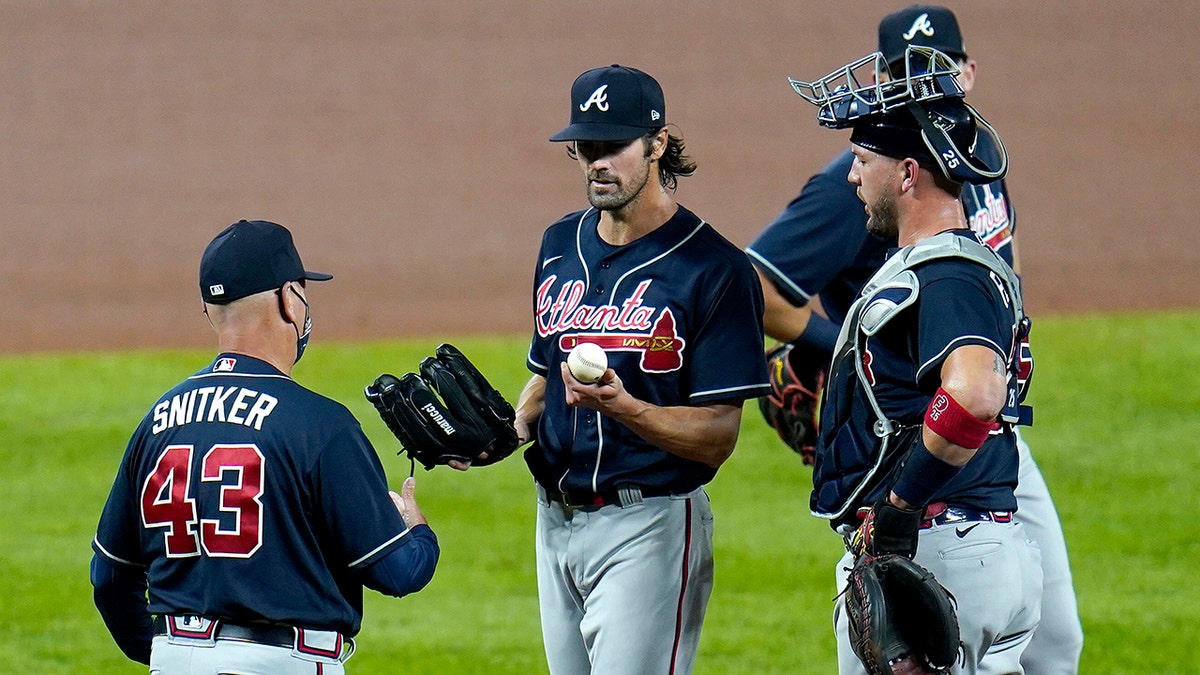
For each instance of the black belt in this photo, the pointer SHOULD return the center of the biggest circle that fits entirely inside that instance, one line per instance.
(624, 495)
(263, 634)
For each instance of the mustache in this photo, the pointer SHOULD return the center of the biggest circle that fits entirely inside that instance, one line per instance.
(601, 175)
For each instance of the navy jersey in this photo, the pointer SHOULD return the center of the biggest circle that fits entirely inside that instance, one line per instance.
(679, 312)
(989, 212)
(820, 244)
(247, 497)
(958, 303)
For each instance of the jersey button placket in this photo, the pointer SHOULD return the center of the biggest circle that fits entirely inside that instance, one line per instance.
(604, 265)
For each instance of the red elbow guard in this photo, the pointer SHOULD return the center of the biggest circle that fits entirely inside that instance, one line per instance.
(946, 418)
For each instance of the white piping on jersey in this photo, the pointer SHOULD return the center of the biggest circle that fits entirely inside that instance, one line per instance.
(950, 347)
(612, 298)
(107, 554)
(587, 281)
(380, 547)
(252, 375)
(779, 275)
(725, 390)
(530, 359)
(599, 452)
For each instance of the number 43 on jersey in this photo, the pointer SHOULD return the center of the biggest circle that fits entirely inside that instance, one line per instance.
(168, 501)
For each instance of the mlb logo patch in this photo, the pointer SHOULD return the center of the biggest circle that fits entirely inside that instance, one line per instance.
(216, 289)
(224, 365)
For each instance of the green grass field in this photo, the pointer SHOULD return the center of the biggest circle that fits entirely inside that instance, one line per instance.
(1117, 402)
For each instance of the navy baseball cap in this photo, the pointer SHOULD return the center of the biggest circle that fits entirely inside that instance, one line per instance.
(248, 257)
(614, 103)
(924, 25)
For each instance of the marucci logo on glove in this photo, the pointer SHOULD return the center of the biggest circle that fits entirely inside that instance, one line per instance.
(438, 418)
(448, 412)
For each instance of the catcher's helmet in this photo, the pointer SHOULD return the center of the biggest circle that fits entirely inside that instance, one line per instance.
(921, 114)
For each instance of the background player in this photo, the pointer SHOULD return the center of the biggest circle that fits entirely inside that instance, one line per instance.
(916, 426)
(624, 527)
(253, 509)
(820, 245)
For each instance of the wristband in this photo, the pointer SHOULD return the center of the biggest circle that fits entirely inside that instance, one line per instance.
(922, 476)
(946, 418)
(820, 333)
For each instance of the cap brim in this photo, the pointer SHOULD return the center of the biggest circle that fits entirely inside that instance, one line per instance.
(317, 276)
(599, 132)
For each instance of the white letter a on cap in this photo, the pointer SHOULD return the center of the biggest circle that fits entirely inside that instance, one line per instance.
(599, 97)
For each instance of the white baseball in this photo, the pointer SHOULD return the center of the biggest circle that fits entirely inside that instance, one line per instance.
(587, 362)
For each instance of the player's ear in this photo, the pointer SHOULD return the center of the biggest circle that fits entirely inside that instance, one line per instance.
(911, 170)
(966, 78)
(204, 310)
(658, 144)
(286, 309)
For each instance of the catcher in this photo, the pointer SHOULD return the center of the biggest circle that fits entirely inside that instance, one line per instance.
(916, 460)
(447, 413)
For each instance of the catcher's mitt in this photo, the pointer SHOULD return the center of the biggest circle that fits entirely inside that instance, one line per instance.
(448, 412)
(902, 620)
(791, 407)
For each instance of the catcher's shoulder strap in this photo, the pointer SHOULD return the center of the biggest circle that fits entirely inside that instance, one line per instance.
(894, 288)
(950, 245)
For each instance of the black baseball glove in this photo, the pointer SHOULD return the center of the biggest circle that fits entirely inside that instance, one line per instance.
(448, 412)
(796, 379)
(902, 620)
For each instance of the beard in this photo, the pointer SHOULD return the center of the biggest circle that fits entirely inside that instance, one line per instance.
(883, 219)
(618, 194)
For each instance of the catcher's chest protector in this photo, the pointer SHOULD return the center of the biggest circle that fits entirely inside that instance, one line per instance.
(894, 288)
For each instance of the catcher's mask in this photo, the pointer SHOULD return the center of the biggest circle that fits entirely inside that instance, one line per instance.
(920, 115)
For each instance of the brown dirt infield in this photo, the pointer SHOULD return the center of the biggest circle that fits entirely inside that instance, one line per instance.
(404, 143)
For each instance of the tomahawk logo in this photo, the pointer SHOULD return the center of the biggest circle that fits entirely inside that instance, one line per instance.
(599, 97)
(920, 25)
(661, 349)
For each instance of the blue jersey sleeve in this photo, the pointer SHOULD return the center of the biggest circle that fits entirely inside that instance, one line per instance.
(408, 568)
(120, 597)
(118, 535)
(728, 362)
(818, 237)
(538, 359)
(960, 304)
(351, 496)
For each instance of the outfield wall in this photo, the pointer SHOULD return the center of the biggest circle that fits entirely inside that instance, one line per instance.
(404, 143)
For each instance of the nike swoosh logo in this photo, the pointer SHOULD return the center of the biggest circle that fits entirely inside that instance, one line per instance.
(547, 261)
(961, 532)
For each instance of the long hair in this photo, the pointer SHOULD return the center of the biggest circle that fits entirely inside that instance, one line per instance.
(673, 163)
(671, 166)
